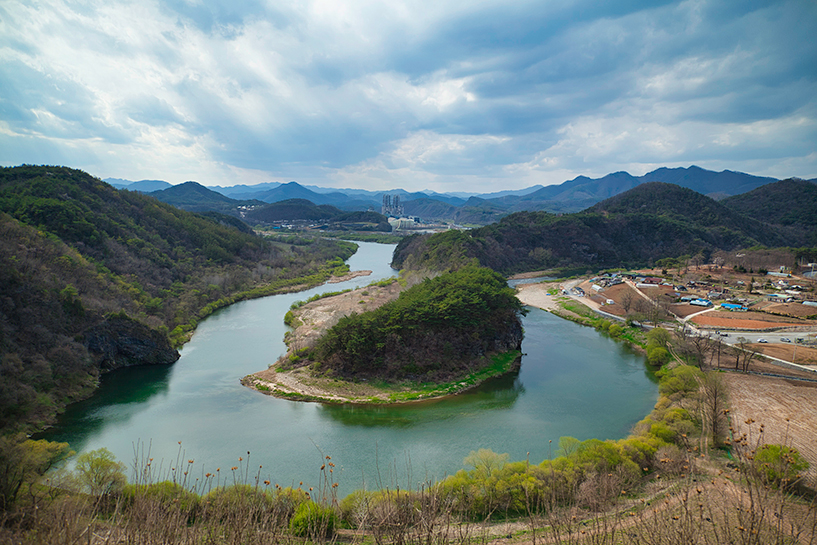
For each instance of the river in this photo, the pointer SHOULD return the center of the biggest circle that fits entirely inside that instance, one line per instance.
(573, 381)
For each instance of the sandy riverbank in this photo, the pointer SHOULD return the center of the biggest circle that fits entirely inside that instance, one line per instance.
(313, 319)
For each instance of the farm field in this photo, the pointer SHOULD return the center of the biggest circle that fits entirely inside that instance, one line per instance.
(786, 408)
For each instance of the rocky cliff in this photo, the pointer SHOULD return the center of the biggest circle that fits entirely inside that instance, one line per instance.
(120, 341)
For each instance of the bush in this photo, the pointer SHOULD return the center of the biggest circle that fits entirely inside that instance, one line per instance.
(780, 465)
(23, 462)
(313, 520)
(240, 496)
(615, 330)
(683, 379)
(166, 493)
(100, 473)
(657, 355)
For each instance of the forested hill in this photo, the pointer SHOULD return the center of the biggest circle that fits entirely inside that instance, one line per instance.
(95, 278)
(304, 210)
(649, 222)
(436, 331)
(792, 203)
(194, 197)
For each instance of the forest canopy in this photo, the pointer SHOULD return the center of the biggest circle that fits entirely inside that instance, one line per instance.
(434, 331)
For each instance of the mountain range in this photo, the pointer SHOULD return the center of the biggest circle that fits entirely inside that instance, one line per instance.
(652, 221)
(477, 209)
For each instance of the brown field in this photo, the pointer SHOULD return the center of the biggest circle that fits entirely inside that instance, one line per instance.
(682, 310)
(797, 310)
(787, 409)
(744, 320)
(805, 355)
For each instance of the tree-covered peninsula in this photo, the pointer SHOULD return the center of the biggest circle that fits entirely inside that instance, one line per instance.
(440, 336)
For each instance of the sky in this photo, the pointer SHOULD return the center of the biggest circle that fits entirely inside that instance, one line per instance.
(445, 95)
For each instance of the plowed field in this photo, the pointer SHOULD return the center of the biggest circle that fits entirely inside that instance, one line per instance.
(787, 409)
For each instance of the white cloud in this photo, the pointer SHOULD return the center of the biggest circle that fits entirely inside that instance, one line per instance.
(449, 94)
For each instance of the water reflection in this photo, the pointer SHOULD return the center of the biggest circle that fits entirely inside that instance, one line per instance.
(496, 394)
(123, 394)
(575, 383)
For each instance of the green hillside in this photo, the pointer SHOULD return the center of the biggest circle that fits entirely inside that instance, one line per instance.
(91, 273)
(194, 197)
(436, 331)
(292, 210)
(649, 222)
(792, 203)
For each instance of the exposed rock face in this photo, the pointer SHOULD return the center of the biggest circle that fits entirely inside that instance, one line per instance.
(511, 338)
(122, 342)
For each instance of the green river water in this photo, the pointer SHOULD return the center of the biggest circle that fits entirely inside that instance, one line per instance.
(573, 381)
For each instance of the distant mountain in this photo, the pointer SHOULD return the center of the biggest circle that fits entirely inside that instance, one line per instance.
(189, 193)
(571, 196)
(292, 210)
(244, 192)
(582, 192)
(649, 222)
(142, 186)
(708, 182)
(787, 202)
(474, 211)
(294, 190)
(194, 197)
(497, 194)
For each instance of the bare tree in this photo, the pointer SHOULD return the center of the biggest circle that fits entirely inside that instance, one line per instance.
(743, 354)
(698, 346)
(714, 394)
(626, 300)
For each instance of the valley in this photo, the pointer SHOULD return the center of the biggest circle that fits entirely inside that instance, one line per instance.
(662, 255)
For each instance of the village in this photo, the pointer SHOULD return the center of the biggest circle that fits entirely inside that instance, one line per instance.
(770, 319)
(774, 313)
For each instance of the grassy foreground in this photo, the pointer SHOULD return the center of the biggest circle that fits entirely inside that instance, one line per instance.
(681, 477)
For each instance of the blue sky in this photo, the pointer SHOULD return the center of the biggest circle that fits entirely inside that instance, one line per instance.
(446, 95)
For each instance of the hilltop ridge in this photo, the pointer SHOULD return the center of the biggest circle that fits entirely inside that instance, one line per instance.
(649, 222)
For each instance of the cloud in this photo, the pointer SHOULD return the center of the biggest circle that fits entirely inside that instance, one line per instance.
(454, 94)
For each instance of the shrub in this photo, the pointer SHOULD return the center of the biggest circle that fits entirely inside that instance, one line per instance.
(100, 473)
(23, 462)
(313, 520)
(166, 493)
(780, 465)
(657, 355)
(683, 379)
